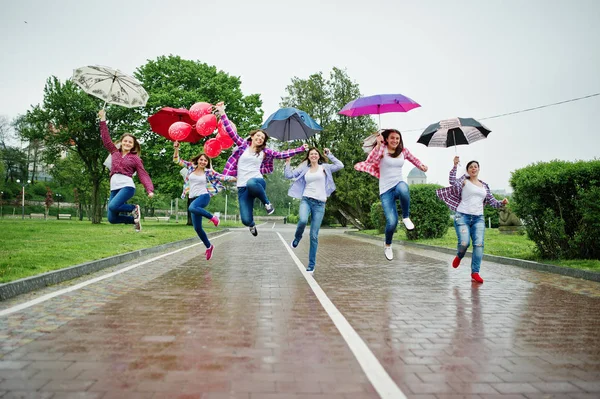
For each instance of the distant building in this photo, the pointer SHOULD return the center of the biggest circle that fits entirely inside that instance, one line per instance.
(416, 176)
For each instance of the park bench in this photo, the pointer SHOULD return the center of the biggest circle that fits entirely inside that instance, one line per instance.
(157, 218)
(37, 216)
(64, 216)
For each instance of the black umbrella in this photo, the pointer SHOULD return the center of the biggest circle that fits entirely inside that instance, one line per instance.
(287, 124)
(453, 132)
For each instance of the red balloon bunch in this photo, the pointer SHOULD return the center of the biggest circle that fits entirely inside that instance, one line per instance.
(223, 136)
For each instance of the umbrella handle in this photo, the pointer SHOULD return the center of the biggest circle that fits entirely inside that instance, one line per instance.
(110, 90)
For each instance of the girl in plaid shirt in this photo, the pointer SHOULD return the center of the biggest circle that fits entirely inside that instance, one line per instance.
(467, 196)
(201, 183)
(385, 162)
(248, 163)
(124, 163)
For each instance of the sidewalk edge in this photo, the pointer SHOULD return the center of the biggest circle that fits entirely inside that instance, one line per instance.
(28, 284)
(526, 264)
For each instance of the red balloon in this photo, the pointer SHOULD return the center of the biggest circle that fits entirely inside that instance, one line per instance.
(206, 125)
(212, 148)
(225, 140)
(179, 130)
(222, 129)
(198, 110)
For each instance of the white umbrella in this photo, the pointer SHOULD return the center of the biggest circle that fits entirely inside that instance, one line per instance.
(110, 85)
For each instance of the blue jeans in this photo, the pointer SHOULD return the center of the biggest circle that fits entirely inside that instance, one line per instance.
(197, 211)
(388, 202)
(255, 188)
(315, 208)
(470, 227)
(117, 203)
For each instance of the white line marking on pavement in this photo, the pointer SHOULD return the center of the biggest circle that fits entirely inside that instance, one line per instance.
(380, 379)
(272, 227)
(44, 298)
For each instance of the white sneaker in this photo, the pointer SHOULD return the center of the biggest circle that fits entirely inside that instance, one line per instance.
(270, 209)
(389, 253)
(408, 223)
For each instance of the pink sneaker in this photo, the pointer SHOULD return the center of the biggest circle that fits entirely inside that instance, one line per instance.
(209, 252)
(215, 220)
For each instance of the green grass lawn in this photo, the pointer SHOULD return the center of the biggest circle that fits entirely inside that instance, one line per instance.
(31, 247)
(510, 246)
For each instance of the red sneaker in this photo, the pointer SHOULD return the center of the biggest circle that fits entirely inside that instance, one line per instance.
(477, 277)
(209, 252)
(456, 262)
(215, 220)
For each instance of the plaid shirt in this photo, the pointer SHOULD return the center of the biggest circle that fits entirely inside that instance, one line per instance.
(266, 166)
(452, 195)
(213, 179)
(371, 164)
(125, 165)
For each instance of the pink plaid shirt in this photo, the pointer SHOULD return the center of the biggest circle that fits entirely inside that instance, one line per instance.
(371, 164)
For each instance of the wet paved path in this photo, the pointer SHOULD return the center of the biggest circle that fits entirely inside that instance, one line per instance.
(248, 325)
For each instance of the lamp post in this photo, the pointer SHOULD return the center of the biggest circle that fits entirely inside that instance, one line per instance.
(1, 203)
(23, 197)
(289, 208)
(58, 196)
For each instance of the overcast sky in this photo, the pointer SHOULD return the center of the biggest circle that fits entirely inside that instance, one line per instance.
(456, 58)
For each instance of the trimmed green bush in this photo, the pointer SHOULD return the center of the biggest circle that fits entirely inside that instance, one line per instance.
(293, 219)
(559, 203)
(377, 217)
(429, 214)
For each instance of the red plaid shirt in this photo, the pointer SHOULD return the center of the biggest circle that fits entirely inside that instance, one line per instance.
(452, 195)
(371, 164)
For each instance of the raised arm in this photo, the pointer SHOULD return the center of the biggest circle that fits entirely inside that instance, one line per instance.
(106, 140)
(336, 163)
(220, 110)
(176, 158)
(452, 176)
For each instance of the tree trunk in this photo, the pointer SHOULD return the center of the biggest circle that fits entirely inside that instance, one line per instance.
(96, 202)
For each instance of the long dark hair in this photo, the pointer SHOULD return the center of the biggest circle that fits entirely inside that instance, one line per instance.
(386, 133)
(264, 144)
(322, 157)
(197, 157)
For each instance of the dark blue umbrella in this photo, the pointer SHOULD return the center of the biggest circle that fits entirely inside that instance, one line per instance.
(288, 124)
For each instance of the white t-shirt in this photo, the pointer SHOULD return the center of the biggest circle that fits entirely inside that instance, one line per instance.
(472, 198)
(118, 181)
(248, 166)
(390, 172)
(315, 184)
(197, 185)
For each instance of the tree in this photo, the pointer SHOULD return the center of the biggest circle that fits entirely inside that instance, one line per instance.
(68, 116)
(33, 133)
(322, 98)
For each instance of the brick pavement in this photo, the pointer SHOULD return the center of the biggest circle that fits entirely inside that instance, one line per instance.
(247, 325)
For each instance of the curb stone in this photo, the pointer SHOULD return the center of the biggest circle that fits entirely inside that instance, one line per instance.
(29, 284)
(526, 264)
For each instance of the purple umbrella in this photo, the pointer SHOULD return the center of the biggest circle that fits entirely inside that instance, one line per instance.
(378, 104)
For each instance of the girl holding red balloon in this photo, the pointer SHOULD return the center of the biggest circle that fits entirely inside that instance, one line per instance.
(201, 183)
(249, 162)
(125, 162)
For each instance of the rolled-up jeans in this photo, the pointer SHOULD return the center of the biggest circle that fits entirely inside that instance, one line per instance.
(390, 211)
(255, 188)
(470, 227)
(316, 209)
